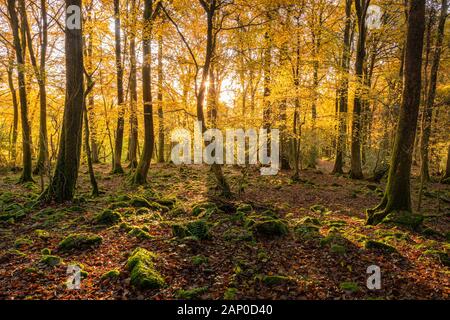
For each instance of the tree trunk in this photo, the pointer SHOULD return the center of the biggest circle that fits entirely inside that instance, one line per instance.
(15, 107)
(343, 92)
(20, 53)
(133, 137)
(140, 175)
(160, 102)
(446, 177)
(428, 111)
(63, 182)
(117, 168)
(397, 196)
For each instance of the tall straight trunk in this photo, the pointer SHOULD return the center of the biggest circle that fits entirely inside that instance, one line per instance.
(267, 112)
(397, 196)
(133, 135)
(12, 89)
(210, 9)
(117, 167)
(361, 10)
(140, 175)
(20, 53)
(160, 101)
(212, 98)
(39, 71)
(90, 86)
(63, 182)
(428, 111)
(296, 120)
(343, 91)
(446, 177)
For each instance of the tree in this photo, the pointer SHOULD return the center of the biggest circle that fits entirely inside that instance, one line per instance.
(343, 90)
(133, 136)
(140, 175)
(160, 101)
(19, 47)
(431, 94)
(117, 168)
(63, 181)
(361, 11)
(397, 196)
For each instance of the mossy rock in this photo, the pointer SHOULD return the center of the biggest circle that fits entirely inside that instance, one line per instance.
(189, 294)
(22, 242)
(306, 231)
(237, 234)
(119, 204)
(50, 260)
(108, 217)
(142, 211)
(197, 228)
(230, 294)
(46, 251)
(274, 280)
(79, 241)
(110, 275)
(123, 198)
(42, 234)
(377, 245)
(244, 207)
(311, 221)
(140, 233)
(269, 227)
(168, 202)
(204, 209)
(125, 227)
(404, 218)
(333, 238)
(139, 202)
(338, 249)
(176, 212)
(349, 286)
(143, 272)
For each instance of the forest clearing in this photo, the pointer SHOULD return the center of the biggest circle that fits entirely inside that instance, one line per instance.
(224, 150)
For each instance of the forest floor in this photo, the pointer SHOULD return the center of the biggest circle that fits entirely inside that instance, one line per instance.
(316, 247)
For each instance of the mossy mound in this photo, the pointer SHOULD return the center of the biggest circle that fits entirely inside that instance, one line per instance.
(244, 207)
(404, 218)
(274, 280)
(237, 234)
(306, 231)
(119, 205)
(42, 234)
(267, 225)
(139, 202)
(111, 275)
(79, 241)
(50, 260)
(338, 249)
(311, 221)
(443, 256)
(46, 251)
(230, 294)
(199, 260)
(189, 294)
(143, 272)
(377, 245)
(198, 229)
(204, 209)
(108, 217)
(139, 233)
(333, 238)
(318, 208)
(349, 286)
(176, 212)
(22, 242)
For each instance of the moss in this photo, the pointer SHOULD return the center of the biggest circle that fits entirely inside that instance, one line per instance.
(270, 227)
(338, 249)
(108, 217)
(404, 218)
(274, 280)
(142, 211)
(305, 230)
(377, 245)
(310, 220)
(143, 273)
(199, 260)
(336, 223)
(46, 251)
(318, 208)
(139, 202)
(193, 293)
(237, 234)
(431, 233)
(176, 212)
(42, 234)
(139, 233)
(230, 294)
(204, 209)
(349, 286)
(118, 205)
(79, 241)
(125, 227)
(333, 238)
(16, 252)
(197, 228)
(123, 198)
(244, 207)
(111, 274)
(22, 242)
(50, 260)
(441, 255)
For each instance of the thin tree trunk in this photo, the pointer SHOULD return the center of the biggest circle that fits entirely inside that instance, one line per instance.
(90, 86)
(428, 112)
(20, 53)
(397, 196)
(12, 89)
(160, 102)
(117, 168)
(133, 138)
